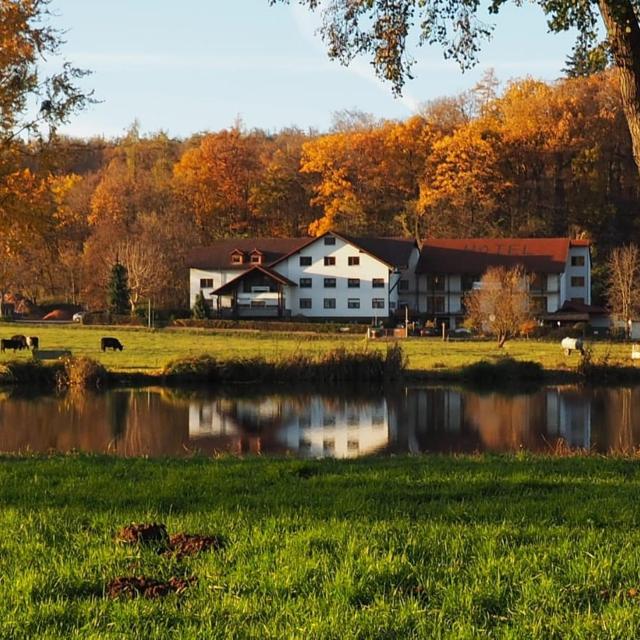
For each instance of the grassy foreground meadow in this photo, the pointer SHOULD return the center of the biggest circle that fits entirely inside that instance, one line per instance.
(149, 351)
(429, 547)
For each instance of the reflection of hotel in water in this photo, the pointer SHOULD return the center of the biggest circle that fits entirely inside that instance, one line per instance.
(420, 420)
(162, 423)
(312, 426)
(441, 419)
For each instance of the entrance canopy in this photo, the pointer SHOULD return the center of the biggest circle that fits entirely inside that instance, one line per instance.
(232, 286)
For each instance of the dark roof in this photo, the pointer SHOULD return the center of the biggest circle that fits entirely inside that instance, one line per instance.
(393, 251)
(573, 306)
(231, 285)
(218, 254)
(475, 255)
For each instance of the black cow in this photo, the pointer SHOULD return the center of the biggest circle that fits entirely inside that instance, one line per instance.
(7, 343)
(21, 340)
(33, 342)
(110, 343)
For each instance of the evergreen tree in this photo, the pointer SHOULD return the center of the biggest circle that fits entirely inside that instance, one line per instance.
(200, 309)
(118, 290)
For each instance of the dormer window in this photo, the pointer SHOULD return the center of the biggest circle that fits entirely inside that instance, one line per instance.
(256, 257)
(237, 257)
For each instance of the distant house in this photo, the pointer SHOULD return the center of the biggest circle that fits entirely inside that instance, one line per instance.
(333, 276)
(558, 269)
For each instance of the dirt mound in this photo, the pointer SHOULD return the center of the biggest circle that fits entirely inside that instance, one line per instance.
(153, 534)
(135, 586)
(187, 544)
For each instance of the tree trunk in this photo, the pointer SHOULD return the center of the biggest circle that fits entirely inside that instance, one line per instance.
(502, 338)
(623, 33)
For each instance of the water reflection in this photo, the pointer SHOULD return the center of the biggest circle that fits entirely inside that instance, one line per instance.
(160, 422)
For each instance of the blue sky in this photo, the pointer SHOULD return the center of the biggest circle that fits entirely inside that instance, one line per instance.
(198, 65)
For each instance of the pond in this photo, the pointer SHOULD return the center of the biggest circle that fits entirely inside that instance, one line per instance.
(309, 424)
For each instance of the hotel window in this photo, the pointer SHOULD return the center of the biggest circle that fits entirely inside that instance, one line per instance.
(353, 303)
(577, 261)
(329, 303)
(467, 281)
(353, 445)
(538, 282)
(435, 304)
(403, 285)
(435, 283)
(305, 303)
(329, 445)
(329, 240)
(328, 420)
(377, 303)
(353, 283)
(329, 283)
(354, 261)
(305, 283)
(539, 304)
(305, 261)
(377, 283)
(329, 261)
(206, 283)
(577, 281)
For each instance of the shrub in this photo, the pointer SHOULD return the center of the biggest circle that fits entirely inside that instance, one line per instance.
(203, 368)
(29, 372)
(82, 372)
(505, 371)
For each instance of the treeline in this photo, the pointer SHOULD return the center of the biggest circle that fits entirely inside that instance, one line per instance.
(535, 159)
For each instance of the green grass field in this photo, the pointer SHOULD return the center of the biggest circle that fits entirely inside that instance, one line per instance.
(148, 351)
(429, 547)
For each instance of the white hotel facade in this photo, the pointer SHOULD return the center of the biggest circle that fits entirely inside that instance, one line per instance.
(339, 277)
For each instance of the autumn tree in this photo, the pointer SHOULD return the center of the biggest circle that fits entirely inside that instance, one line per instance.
(364, 178)
(501, 304)
(280, 198)
(31, 103)
(382, 29)
(215, 180)
(624, 282)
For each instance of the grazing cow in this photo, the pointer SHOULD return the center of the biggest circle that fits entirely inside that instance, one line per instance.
(33, 342)
(110, 343)
(20, 339)
(572, 344)
(7, 343)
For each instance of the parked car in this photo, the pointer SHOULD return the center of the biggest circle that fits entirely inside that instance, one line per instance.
(461, 332)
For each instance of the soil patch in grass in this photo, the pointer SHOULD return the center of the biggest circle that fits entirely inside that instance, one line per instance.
(136, 586)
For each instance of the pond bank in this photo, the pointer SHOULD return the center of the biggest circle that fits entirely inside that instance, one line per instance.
(335, 367)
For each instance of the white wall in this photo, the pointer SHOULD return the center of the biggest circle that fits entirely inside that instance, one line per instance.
(219, 278)
(368, 269)
(570, 291)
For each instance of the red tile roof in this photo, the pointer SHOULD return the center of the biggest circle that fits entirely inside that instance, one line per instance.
(475, 255)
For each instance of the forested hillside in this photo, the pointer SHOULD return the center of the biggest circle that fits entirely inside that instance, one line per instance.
(534, 159)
